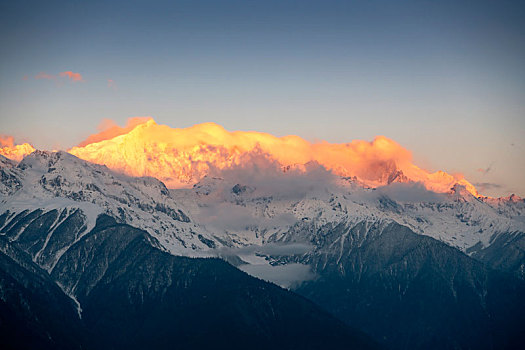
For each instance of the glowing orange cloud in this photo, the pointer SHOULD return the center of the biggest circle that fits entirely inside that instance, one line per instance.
(181, 157)
(44, 75)
(75, 77)
(6, 141)
(15, 152)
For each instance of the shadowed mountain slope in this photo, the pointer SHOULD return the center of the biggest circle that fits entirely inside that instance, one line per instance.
(133, 295)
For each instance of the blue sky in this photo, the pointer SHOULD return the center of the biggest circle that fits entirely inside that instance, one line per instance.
(446, 79)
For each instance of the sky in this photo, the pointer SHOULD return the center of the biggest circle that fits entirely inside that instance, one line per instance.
(445, 79)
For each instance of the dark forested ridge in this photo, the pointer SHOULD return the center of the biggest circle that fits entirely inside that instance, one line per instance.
(133, 295)
(413, 292)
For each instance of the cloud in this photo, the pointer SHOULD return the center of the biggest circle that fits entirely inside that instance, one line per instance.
(257, 177)
(44, 75)
(7, 141)
(409, 193)
(484, 186)
(271, 249)
(277, 249)
(75, 77)
(228, 216)
(286, 276)
(487, 169)
(268, 177)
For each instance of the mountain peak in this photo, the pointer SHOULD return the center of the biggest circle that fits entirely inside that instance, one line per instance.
(15, 152)
(181, 157)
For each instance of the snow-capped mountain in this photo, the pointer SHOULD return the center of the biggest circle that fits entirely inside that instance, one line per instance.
(223, 213)
(357, 251)
(182, 157)
(60, 181)
(457, 218)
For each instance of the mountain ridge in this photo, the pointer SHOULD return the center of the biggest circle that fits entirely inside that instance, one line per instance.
(131, 294)
(318, 235)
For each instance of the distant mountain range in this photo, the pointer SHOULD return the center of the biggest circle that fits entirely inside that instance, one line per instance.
(92, 258)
